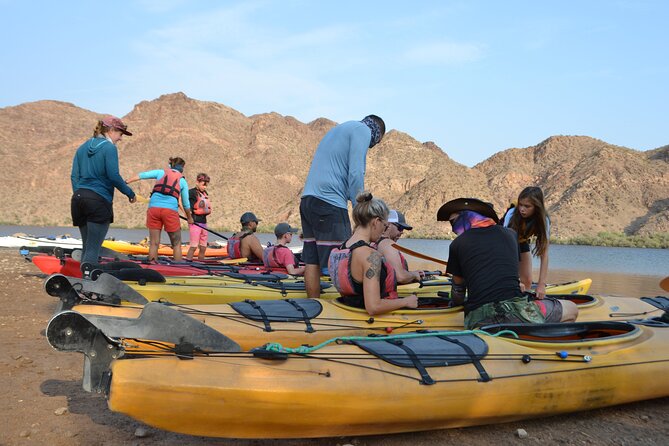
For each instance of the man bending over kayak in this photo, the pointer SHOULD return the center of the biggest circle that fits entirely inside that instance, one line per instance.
(483, 260)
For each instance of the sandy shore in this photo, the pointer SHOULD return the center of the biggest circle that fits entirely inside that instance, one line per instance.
(39, 384)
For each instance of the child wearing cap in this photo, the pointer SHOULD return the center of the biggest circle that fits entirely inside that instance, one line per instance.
(245, 243)
(201, 207)
(280, 255)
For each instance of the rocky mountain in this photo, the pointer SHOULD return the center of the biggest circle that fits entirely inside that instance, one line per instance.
(260, 162)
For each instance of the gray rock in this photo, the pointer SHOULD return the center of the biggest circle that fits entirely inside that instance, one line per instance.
(521, 433)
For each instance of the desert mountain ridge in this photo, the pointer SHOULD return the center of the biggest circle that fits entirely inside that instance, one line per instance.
(259, 163)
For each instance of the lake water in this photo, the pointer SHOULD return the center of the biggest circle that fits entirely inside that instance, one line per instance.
(618, 271)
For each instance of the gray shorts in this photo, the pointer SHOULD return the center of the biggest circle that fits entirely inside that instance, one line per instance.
(324, 227)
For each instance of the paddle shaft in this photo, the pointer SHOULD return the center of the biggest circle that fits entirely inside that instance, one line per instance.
(206, 229)
(418, 254)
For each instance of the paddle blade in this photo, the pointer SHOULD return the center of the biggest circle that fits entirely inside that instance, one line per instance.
(141, 198)
(664, 283)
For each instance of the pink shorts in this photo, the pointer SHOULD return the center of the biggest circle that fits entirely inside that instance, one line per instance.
(157, 218)
(198, 235)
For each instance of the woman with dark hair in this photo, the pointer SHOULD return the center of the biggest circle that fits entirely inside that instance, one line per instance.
(164, 206)
(530, 221)
(94, 177)
(358, 271)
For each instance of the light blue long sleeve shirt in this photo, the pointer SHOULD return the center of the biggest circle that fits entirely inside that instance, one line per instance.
(166, 201)
(337, 172)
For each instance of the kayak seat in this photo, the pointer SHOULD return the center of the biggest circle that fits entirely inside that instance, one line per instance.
(430, 351)
(660, 302)
(424, 303)
(564, 331)
(578, 299)
(288, 310)
(283, 310)
(141, 275)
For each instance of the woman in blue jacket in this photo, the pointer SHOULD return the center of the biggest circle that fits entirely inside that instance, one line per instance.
(95, 175)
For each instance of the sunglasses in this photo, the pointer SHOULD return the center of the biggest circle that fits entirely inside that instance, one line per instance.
(399, 228)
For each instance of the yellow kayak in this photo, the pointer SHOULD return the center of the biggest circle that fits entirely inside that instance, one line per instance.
(380, 385)
(312, 321)
(197, 290)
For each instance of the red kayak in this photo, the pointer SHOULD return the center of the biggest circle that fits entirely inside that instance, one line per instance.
(67, 266)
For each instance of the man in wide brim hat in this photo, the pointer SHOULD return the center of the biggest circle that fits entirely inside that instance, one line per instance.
(466, 204)
(483, 261)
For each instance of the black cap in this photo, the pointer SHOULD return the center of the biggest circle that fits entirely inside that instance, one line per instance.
(283, 228)
(248, 217)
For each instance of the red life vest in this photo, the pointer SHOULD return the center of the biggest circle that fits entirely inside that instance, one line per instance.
(339, 265)
(235, 244)
(270, 260)
(169, 184)
(202, 204)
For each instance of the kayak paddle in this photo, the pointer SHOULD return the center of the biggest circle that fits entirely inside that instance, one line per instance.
(206, 229)
(418, 254)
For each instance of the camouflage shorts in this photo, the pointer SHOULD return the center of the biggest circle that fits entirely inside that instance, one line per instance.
(511, 311)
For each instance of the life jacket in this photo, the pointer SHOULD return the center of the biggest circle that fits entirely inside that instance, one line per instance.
(403, 260)
(202, 204)
(339, 265)
(235, 244)
(269, 258)
(169, 184)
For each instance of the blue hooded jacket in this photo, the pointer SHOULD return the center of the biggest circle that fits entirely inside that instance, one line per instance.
(95, 167)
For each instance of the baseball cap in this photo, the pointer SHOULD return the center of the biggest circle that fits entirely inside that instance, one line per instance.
(283, 228)
(397, 218)
(248, 217)
(115, 123)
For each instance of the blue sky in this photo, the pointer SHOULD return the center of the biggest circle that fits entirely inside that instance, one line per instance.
(475, 77)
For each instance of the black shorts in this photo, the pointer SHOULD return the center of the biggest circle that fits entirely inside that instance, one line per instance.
(87, 206)
(324, 227)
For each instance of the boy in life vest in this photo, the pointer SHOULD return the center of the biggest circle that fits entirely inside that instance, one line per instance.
(200, 208)
(245, 243)
(396, 225)
(280, 255)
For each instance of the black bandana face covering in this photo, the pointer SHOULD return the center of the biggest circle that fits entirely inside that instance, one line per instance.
(376, 130)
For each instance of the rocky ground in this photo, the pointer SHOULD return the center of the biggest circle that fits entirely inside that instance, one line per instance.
(42, 402)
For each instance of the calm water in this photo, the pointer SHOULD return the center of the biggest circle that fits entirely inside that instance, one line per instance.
(619, 271)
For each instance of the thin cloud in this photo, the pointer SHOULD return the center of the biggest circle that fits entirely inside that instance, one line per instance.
(444, 53)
